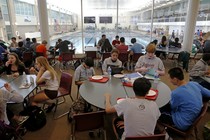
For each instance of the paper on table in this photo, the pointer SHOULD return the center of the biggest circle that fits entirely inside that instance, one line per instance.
(134, 75)
(25, 85)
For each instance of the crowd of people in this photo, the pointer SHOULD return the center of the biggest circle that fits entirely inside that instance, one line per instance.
(181, 111)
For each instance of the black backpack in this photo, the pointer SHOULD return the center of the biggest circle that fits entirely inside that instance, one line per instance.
(7, 132)
(37, 118)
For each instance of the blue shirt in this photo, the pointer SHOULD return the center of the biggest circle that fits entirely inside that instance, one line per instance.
(137, 48)
(186, 103)
(2, 50)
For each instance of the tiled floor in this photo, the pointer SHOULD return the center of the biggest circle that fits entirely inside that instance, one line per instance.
(60, 129)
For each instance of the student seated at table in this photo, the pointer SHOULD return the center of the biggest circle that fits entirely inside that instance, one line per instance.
(116, 42)
(201, 68)
(186, 101)
(134, 110)
(7, 94)
(111, 61)
(149, 61)
(122, 47)
(41, 48)
(46, 74)
(13, 66)
(84, 71)
(106, 47)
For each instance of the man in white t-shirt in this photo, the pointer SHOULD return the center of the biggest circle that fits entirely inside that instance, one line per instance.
(139, 114)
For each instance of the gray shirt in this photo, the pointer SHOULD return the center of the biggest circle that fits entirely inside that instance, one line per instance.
(140, 116)
(82, 73)
(199, 68)
(108, 62)
(152, 63)
(6, 96)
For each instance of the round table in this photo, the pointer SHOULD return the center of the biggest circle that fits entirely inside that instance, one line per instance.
(93, 92)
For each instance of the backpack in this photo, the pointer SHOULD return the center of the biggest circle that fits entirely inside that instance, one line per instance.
(78, 106)
(7, 132)
(78, 62)
(37, 118)
(206, 131)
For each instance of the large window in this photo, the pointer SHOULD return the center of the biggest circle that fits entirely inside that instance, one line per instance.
(22, 8)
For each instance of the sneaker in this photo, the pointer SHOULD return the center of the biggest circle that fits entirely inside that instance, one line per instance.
(21, 119)
(49, 109)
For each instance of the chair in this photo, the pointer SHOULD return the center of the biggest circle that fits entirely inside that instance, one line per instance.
(123, 57)
(39, 54)
(66, 57)
(135, 58)
(197, 56)
(87, 121)
(64, 90)
(152, 137)
(193, 127)
(92, 54)
(28, 58)
(105, 55)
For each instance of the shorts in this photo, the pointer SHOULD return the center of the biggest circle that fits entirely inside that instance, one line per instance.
(52, 94)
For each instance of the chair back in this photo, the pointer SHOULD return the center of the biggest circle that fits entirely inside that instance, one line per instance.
(136, 56)
(91, 54)
(105, 55)
(39, 54)
(27, 56)
(89, 121)
(152, 137)
(123, 57)
(65, 83)
(67, 56)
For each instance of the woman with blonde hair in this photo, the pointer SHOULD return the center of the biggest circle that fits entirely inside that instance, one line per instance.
(13, 66)
(46, 74)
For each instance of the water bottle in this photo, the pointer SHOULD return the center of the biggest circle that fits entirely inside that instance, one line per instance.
(109, 70)
(25, 77)
(156, 80)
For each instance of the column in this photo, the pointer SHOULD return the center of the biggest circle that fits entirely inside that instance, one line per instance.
(190, 23)
(152, 16)
(43, 18)
(12, 16)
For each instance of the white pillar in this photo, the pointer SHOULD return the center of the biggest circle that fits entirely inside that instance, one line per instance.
(43, 18)
(83, 47)
(152, 15)
(117, 15)
(12, 17)
(190, 23)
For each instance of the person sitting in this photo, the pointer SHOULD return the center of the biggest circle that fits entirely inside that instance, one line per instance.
(162, 44)
(7, 94)
(133, 110)
(116, 42)
(136, 48)
(111, 61)
(150, 62)
(122, 47)
(102, 40)
(201, 68)
(42, 48)
(106, 47)
(176, 43)
(13, 44)
(185, 103)
(13, 66)
(46, 74)
(84, 71)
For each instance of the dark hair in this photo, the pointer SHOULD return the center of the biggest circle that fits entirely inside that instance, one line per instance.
(122, 39)
(89, 62)
(117, 36)
(206, 57)
(176, 73)
(155, 41)
(28, 39)
(163, 39)
(103, 35)
(133, 40)
(176, 40)
(17, 62)
(20, 44)
(59, 40)
(34, 40)
(141, 86)
(13, 38)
